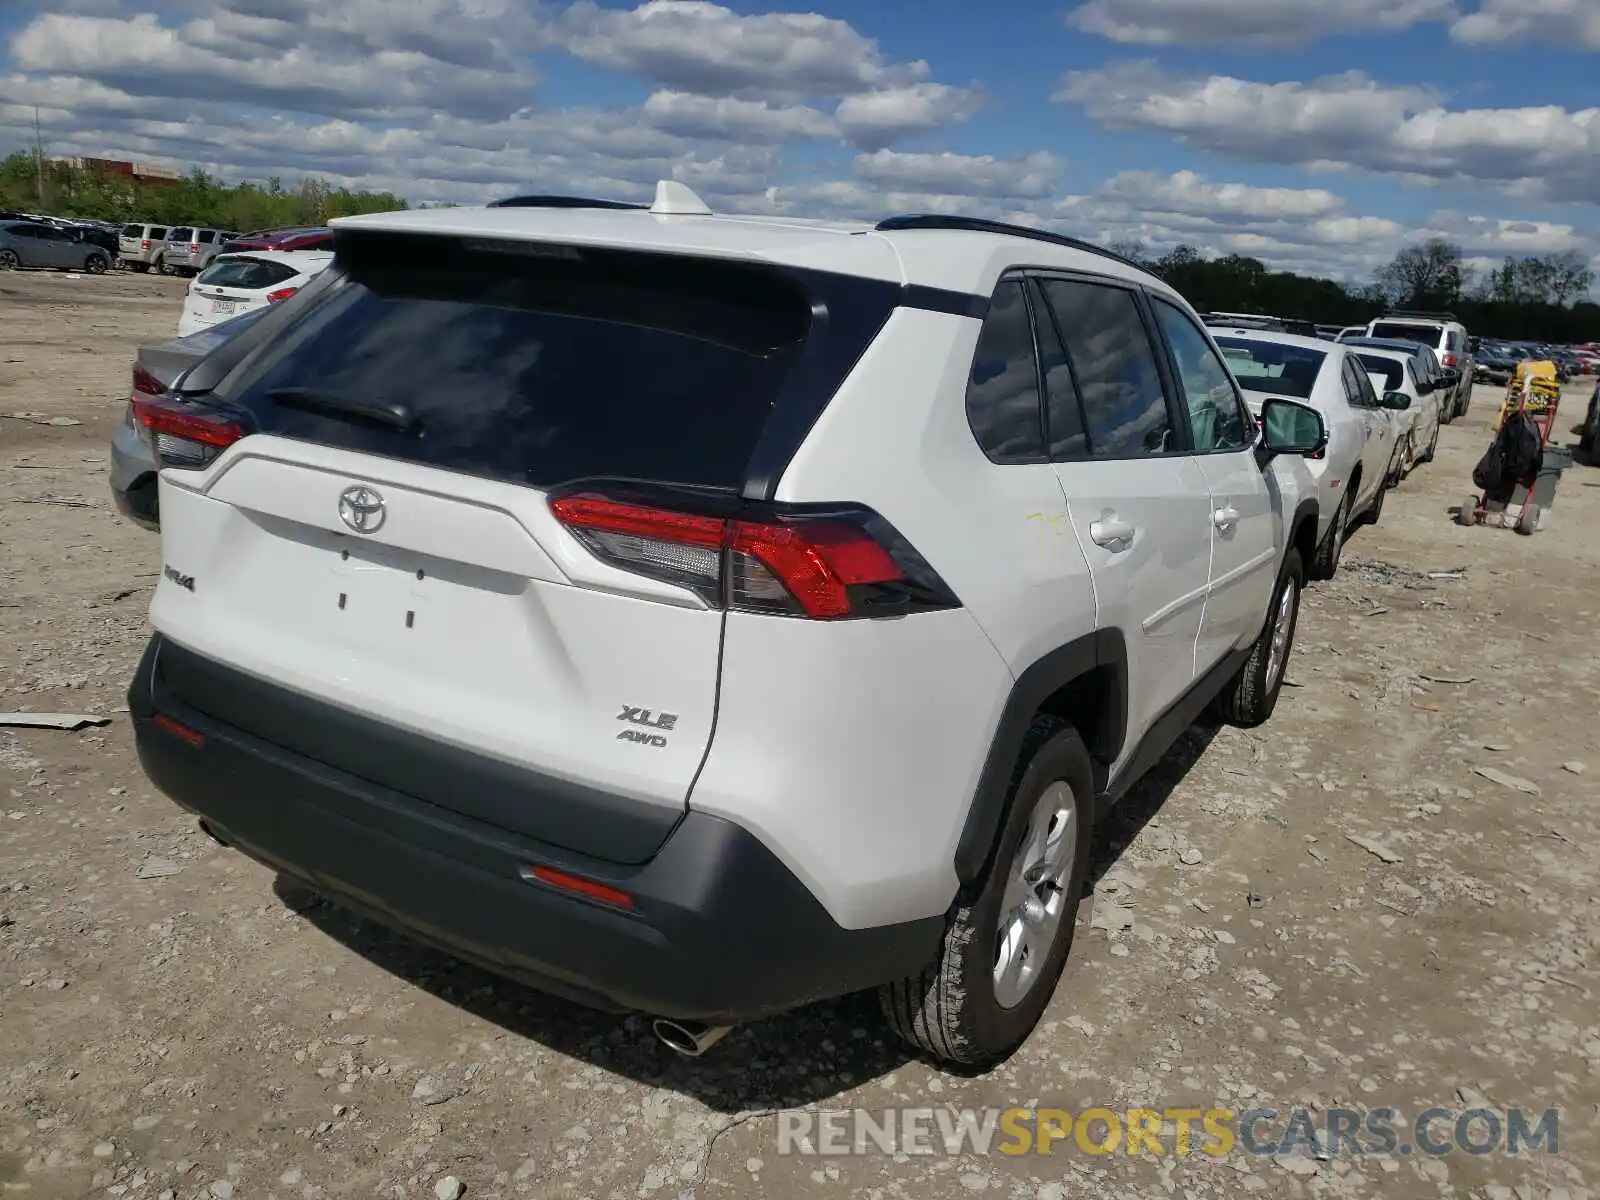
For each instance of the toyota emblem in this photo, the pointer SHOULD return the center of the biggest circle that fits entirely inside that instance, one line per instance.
(361, 508)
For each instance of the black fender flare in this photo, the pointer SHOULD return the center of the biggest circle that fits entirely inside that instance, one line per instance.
(1103, 650)
(1307, 510)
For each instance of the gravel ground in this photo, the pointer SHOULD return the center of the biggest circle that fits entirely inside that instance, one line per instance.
(1335, 909)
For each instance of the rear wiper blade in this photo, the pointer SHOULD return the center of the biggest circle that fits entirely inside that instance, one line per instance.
(398, 417)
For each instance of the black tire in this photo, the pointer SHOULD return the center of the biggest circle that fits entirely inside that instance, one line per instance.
(140, 267)
(1433, 448)
(96, 264)
(160, 266)
(1250, 696)
(951, 1010)
(1325, 563)
(1374, 512)
(9, 260)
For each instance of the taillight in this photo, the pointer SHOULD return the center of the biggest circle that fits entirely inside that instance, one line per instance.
(180, 434)
(144, 244)
(280, 294)
(820, 566)
(194, 247)
(1449, 360)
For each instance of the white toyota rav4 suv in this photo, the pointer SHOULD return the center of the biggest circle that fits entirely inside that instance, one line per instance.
(704, 616)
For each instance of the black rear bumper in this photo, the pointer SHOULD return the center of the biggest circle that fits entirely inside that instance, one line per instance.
(720, 930)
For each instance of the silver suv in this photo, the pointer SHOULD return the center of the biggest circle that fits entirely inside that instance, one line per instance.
(140, 247)
(189, 250)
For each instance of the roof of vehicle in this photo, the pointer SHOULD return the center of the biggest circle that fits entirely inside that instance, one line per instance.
(292, 258)
(1393, 353)
(1321, 345)
(942, 252)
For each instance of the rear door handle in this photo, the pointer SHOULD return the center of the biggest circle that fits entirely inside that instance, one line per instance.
(1112, 532)
(1225, 518)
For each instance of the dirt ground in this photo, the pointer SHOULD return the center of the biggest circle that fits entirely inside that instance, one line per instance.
(215, 1033)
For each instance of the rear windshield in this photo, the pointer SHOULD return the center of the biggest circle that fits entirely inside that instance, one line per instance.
(248, 273)
(158, 231)
(179, 235)
(1275, 368)
(133, 231)
(1386, 369)
(1428, 335)
(206, 235)
(538, 367)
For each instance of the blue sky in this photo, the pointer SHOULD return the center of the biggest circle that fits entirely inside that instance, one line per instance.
(1319, 137)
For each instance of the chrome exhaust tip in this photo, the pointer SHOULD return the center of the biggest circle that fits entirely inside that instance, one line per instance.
(688, 1038)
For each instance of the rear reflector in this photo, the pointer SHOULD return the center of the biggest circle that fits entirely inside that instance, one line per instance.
(587, 888)
(180, 434)
(821, 567)
(179, 730)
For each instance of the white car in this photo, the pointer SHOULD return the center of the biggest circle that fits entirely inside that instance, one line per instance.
(1361, 459)
(1417, 426)
(704, 616)
(236, 283)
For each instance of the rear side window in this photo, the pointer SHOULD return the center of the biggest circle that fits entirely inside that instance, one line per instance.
(1003, 388)
(1386, 369)
(252, 273)
(1114, 363)
(538, 367)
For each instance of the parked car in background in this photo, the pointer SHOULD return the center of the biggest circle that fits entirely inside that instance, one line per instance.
(189, 250)
(313, 237)
(237, 283)
(1442, 382)
(33, 244)
(1355, 469)
(141, 247)
(1417, 426)
(1447, 337)
(155, 369)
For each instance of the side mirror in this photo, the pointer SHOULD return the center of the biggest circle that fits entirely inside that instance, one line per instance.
(1396, 401)
(1290, 428)
(1425, 387)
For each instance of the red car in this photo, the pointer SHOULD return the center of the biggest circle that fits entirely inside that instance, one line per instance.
(318, 237)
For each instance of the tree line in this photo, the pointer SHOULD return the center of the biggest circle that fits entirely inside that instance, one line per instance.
(1539, 297)
(197, 199)
(1536, 298)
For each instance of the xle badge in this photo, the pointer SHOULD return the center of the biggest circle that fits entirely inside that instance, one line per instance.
(648, 720)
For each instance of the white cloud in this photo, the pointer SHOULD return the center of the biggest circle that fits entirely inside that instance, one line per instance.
(697, 46)
(731, 118)
(1250, 22)
(1351, 120)
(321, 66)
(1031, 176)
(1187, 192)
(1572, 24)
(873, 120)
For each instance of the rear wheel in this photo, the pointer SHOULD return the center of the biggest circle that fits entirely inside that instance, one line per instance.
(96, 264)
(140, 267)
(1005, 946)
(1252, 694)
(1433, 447)
(9, 260)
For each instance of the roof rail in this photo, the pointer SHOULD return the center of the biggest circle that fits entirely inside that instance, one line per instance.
(1004, 228)
(1433, 316)
(560, 202)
